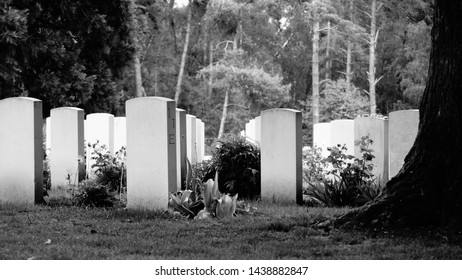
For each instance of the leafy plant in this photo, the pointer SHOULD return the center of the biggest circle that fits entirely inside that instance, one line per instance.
(91, 193)
(341, 179)
(109, 169)
(350, 170)
(46, 172)
(314, 168)
(211, 204)
(238, 162)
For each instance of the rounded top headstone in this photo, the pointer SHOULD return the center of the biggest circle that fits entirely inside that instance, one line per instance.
(21, 98)
(67, 108)
(282, 110)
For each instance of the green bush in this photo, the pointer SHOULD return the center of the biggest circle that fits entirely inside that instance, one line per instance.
(91, 193)
(109, 169)
(238, 163)
(340, 179)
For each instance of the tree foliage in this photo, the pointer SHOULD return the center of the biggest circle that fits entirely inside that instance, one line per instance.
(250, 87)
(72, 51)
(340, 102)
(79, 53)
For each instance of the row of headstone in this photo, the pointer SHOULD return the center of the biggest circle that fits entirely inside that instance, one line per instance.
(392, 138)
(151, 139)
(253, 130)
(111, 132)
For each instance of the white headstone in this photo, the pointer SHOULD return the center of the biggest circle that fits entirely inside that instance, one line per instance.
(258, 129)
(181, 165)
(21, 148)
(120, 133)
(250, 130)
(99, 127)
(191, 152)
(202, 143)
(342, 132)
(377, 129)
(151, 152)
(48, 134)
(403, 128)
(67, 165)
(199, 140)
(281, 155)
(322, 137)
(85, 131)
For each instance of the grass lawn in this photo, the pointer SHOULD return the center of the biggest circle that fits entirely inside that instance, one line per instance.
(272, 232)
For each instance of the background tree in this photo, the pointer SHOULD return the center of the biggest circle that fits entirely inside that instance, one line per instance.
(13, 36)
(245, 85)
(185, 53)
(81, 53)
(427, 192)
(72, 54)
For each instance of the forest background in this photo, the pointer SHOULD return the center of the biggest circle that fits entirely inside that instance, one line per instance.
(222, 60)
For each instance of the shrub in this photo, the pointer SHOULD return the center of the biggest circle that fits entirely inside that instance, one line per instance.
(238, 163)
(90, 193)
(110, 170)
(46, 172)
(314, 167)
(341, 179)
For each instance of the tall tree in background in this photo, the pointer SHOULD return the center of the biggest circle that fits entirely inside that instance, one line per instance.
(72, 53)
(318, 11)
(373, 35)
(139, 91)
(427, 191)
(245, 84)
(185, 53)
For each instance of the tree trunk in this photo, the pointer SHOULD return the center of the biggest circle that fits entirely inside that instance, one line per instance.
(137, 47)
(349, 50)
(172, 26)
(138, 80)
(184, 56)
(315, 73)
(428, 189)
(349, 73)
(210, 87)
(372, 45)
(328, 59)
(224, 115)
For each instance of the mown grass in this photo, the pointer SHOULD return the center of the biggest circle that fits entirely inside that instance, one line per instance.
(272, 232)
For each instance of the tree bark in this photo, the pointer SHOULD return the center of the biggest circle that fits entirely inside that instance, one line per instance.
(224, 115)
(372, 46)
(315, 73)
(428, 189)
(172, 26)
(349, 73)
(328, 59)
(184, 56)
(349, 50)
(238, 35)
(210, 86)
(136, 55)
